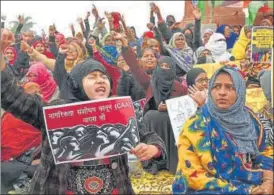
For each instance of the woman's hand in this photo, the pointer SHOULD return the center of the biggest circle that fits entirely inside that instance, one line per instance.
(26, 47)
(109, 16)
(265, 188)
(118, 36)
(94, 11)
(155, 8)
(63, 49)
(3, 64)
(198, 96)
(162, 107)
(87, 15)
(144, 151)
(80, 20)
(196, 13)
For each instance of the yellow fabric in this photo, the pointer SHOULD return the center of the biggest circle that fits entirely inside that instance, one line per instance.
(255, 99)
(213, 67)
(146, 183)
(199, 160)
(238, 50)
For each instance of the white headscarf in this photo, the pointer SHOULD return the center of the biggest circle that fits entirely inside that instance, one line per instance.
(218, 48)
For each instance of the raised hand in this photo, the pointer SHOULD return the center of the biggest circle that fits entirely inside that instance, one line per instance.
(63, 49)
(87, 15)
(94, 11)
(21, 19)
(108, 16)
(155, 8)
(26, 47)
(197, 13)
(198, 96)
(52, 30)
(79, 20)
(116, 35)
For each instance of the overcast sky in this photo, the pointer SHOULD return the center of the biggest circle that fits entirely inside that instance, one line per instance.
(62, 13)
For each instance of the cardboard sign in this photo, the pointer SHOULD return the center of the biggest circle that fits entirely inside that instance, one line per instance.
(255, 99)
(261, 44)
(91, 130)
(179, 111)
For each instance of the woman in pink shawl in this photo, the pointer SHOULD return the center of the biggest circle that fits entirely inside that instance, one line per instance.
(39, 74)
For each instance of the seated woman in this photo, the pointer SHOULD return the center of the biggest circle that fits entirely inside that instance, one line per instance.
(202, 56)
(222, 149)
(218, 48)
(197, 82)
(159, 82)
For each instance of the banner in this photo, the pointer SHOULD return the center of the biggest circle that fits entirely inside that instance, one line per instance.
(91, 130)
(179, 111)
(261, 44)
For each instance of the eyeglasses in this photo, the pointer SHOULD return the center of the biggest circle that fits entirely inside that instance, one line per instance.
(202, 80)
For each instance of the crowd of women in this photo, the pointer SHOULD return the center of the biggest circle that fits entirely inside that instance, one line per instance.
(226, 148)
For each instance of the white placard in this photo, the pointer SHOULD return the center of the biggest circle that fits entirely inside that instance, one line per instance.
(180, 110)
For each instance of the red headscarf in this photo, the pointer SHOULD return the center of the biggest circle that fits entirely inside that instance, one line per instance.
(43, 79)
(116, 18)
(11, 62)
(46, 53)
(17, 136)
(149, 34)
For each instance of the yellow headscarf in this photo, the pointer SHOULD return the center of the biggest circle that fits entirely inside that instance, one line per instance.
(82, 54)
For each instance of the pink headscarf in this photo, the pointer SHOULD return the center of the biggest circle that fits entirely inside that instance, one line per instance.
(43, 78)
(11, 62)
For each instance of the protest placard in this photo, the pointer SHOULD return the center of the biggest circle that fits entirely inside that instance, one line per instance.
(179, 111)
(139, 109)
(255, 99)
(91, 130)
(262, 44)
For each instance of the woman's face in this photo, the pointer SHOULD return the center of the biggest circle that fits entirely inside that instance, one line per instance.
(223, 91)
(180, 42)
(165, 66)
(148, 60)
(96, 85)
(40, 48)
(110, 41)
(132, 32)
(153, 44)
(31, 77)
(72, 53)
(227, 32)
(201, 82)
(248, 34)
(205, 53)
(9, 54)
(236, 30)
(248, 52)
(121, 63)
(206, 37)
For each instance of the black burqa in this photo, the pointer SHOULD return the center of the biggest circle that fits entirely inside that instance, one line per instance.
(159, 122)
(163, 80)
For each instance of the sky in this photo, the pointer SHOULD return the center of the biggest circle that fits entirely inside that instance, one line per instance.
(62, 13)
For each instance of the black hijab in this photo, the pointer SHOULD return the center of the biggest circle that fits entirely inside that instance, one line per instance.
(192, 75)
(163, 80)
(79, 72)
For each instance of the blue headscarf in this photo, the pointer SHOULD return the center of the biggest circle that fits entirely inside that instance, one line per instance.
(235, 120)
(230, 41)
